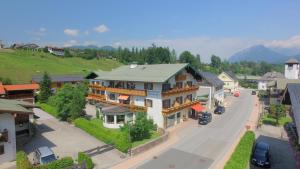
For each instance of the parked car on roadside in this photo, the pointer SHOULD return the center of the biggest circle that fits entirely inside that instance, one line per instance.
(219, 110)
(253, 92)
(261, 155)
(236, 94)
(43, 155)
(204, 118)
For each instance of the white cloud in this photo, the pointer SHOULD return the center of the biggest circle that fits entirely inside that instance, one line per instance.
(86, 32)
(117, 44)
(70, 43)
(71, 32)
(86, 43)
(42, 29)
(293, 42)
(101, 28)
(40, 32)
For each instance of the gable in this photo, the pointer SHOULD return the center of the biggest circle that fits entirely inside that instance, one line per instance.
(224, 77)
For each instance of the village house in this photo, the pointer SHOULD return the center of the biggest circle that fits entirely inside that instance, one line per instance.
(211, 86)
(56, 51)
(231, 82)
(268, 79)
(166, 92)
(15, 120)
(23, 92)
(57, 81)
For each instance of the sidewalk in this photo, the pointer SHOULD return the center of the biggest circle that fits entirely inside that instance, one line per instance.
(140, 158)
(8, 165)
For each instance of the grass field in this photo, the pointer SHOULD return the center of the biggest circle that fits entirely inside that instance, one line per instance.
(20, 65)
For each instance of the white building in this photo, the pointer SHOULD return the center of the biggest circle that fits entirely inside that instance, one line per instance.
(291, 69)
(166, 92)
(15, 117)
(267, 79)
(56, 51)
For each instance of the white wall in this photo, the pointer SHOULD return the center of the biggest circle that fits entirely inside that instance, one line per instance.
(262, 85)
(291, 72)
(7, 122)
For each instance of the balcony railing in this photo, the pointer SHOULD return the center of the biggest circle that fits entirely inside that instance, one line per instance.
(180, 90)
(180, 107)
(132, 107)
(132, 92)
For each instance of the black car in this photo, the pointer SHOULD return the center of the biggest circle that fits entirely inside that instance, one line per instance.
(253, 92)
(261, 155)
(219, 110)
(204, 118)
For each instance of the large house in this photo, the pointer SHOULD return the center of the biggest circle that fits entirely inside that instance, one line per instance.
(57, 81)
(231, 82)
(267, 79)
(212, 86)
(15, 121)
(166, 92)
(23, 92)
(56, 51)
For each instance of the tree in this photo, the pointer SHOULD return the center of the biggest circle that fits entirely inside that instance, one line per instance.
(187, 57)
(45, 88)
(173, 56)
(215, 61)
(277, 111)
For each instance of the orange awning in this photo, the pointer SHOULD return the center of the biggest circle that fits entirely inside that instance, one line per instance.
(123, 97)
(198, 107)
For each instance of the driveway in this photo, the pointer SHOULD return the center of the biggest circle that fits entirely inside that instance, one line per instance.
(67, 140)
(281, 152)
(202, 146)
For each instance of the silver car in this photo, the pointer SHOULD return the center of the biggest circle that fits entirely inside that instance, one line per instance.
(43, 155)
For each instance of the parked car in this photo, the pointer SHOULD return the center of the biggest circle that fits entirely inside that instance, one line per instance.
(261, 155)
(253, 92)
(219, 110)
(236, 94)
(43, 155)
(204, 118)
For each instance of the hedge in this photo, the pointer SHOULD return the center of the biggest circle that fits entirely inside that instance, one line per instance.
(22, 161)
(63, 163)
(241, 156)
(83, 158)
(115, 137)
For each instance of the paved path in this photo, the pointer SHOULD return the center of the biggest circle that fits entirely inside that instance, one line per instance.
(202, 146)
(67, 140)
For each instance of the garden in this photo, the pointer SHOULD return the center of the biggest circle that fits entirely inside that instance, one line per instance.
(277, 116)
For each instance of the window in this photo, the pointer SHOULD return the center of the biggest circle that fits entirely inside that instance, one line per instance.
(166, 103)
(130, 85)
(129, 117)
(110, 119)
(1, 149)
(166, 87)
(189, 83)
(179, 85)
(148, 103)
(148, 86)
(112, 96)
(189, 97)
(120, 119)
(102, 92)
(111, 84)
(102, 84)
(179, 100)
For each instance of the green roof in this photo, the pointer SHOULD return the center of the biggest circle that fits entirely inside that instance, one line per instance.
(15, 106)
(281, 83)
(142, 73)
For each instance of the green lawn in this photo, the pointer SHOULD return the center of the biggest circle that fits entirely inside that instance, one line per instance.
(20, 65)
(110, 136)
(49, 109)
(266, 119)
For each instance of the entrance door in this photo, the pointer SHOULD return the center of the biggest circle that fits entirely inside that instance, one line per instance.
(178, 117)
(170, 120)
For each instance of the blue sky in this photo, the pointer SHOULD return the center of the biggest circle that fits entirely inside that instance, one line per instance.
(204, 27)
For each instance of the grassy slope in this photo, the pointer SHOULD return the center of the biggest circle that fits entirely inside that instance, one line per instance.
(20, 65)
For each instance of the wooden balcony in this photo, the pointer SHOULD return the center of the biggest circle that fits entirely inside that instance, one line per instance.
(178, 107)
(96, 96)
(181, 77)
(132, 107)
(180, 90)
(132, 92)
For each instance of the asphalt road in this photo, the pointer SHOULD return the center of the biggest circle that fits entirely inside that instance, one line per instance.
(201, 146)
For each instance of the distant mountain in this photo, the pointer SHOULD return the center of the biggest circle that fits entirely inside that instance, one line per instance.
(82, 47)
(286, 51)
(258, 53)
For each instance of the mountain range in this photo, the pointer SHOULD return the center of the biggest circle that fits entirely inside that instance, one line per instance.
(260, 53)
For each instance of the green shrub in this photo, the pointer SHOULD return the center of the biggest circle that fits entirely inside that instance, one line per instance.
(63, 163)
(94, 127)
(22, 161)
(242, 153)
(83, 158)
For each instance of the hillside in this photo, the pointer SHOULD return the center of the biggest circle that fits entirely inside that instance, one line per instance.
(258, 53)
(20, 65)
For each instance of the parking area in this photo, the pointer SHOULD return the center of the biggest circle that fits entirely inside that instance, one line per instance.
(282, 156)
(67, 140)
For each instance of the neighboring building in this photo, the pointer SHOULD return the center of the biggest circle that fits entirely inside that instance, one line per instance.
(23, 92)
(56, 51)
(231, 82)
(212, 86)
(291, 69)
(31, 46)
(59, 80)
(166, 92)
(268, 78)
(291, 97)
(15, 121)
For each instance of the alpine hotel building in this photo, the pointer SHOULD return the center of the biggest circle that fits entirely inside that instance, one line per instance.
(166, 92)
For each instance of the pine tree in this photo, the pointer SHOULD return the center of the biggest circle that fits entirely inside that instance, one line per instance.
(45, 88)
